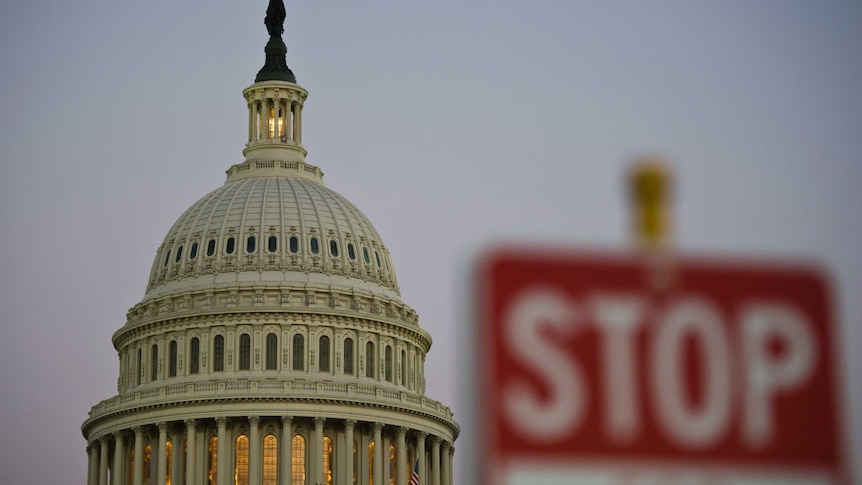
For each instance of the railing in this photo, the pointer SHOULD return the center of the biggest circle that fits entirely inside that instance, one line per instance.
(293, 166)
(272, 388)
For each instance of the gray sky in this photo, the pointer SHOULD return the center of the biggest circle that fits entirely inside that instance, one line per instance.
(450, 124)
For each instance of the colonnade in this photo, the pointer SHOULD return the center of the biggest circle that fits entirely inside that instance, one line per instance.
(264, 116)
(268, 450)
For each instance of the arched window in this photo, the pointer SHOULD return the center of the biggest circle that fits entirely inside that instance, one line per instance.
(270, 460)
(241, 471)
(351, 252)
(230, 247)
(377, 257)
(179, 254)
(245, 352)
(371, 462)
(194, 251)
(271, 351)
(323, 352)
(348, 356)
(218, 353)
(393, 466)
(131, 472)
(211, 247)
(212, 461)
(315, 246)
(167, 257)
(387, 356)
(154, 362)
(169, 452)
(250, 244)
(272, 244)
(365, 255)
(148, 461)
(195, 357)
(297, 460)
(140, 367)
(355, 460)
(294, 244)
(327, 460)
(369, 359)
(333, 248)
(403, 367)
(172, 359)
(298, 352)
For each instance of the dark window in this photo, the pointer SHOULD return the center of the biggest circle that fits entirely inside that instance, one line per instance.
(231, 243)
(387, 367)
(348, 356)
(179, 254)
(218, 353)
(167, 257)
(333, 248)
(273, 244)
(250, 244)
(323, 351)
(315, 246)
(172, 353)
(294, 244)
(350, 251)
(369, 359)
(194, 252)
(298, 352)
(195, 357)
(365, 255)
(245, 352)
(154, 362)
(271, 351)
(377, 257)
(403, 368)
(140, 367)
(211, 247)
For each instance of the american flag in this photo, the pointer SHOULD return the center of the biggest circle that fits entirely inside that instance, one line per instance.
(414, 479)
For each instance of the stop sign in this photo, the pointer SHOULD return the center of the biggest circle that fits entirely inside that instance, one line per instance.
(615, 368)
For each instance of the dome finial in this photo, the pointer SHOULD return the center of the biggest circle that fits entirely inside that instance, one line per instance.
(275, 68)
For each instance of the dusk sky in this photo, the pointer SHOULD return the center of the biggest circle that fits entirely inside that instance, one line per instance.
(452, 125)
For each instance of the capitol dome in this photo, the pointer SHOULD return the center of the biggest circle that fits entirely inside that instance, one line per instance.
(272, 345)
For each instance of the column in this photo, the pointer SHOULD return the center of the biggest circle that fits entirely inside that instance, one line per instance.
(378, 454)
(93, 469)
(285, 116)
(176, 466)
(286, 450)
(139, 456)
(451, 467)
(318, 450)
(259, 114)
(444, 463)
(435, 460)
(348, 462)
(119, 453)
(191, 434)
(254, 457)
(221, 468)
(420, 452)
(103, 460)
(161, 457)
(297, 126)
(250, 121)
(400, 463)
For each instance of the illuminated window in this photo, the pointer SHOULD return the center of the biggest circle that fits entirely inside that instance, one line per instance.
(244, 352)
(172, 353)
(387, 368)
(323, 350)
(298, 352)
(218, 353)
(348, 356)
(297, 460)
(169, 461)
(369, 359)
(148, 453)
(195, 357)
(212, 461)
(241, 470)
(270, 460)
(355, 460)
(393, 467)
(371, 462)
(131, 473)
(271, 351)
(327, 460)
(154, 362)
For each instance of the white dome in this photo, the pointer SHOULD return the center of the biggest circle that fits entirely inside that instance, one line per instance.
(271, 230)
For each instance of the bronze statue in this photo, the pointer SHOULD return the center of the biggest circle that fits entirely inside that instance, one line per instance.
(274, 20)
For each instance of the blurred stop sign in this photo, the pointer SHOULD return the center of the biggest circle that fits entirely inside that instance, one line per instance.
(611, 369)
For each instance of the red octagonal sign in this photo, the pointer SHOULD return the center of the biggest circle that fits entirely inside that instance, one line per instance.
(617, 369)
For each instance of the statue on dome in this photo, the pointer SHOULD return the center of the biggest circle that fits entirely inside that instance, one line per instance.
(275, 16)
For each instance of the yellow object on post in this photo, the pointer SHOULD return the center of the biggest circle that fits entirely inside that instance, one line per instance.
(650, 185)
